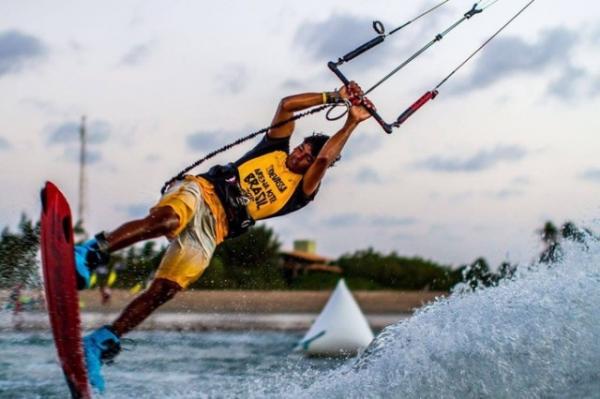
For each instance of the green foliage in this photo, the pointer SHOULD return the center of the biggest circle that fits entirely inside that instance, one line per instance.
(478, 274)
(257, 246)
(392, 271)
(18, 255)
(315, 281)
(361, 283)
(250, 261)
(552, 237)
(506, 270)
(136, 264)
(328, 281)
(215, 277)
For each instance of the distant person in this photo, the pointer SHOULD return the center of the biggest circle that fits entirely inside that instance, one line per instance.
(106, 277)
(15, 299)
(201, 211)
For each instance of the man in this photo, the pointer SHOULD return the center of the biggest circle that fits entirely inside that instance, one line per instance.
(201, 211)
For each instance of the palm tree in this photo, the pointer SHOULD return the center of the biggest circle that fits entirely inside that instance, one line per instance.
(552, 251)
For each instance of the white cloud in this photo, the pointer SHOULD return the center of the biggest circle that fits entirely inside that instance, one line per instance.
(233, 78)
(510, 55)
(137, 55)
(482, 160)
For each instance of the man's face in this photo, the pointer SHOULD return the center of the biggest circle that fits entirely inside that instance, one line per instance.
(300, 159)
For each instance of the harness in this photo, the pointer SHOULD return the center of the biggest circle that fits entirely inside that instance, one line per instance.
(226, 180)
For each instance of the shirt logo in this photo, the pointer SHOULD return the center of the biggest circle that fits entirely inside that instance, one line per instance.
(269, 184)
(259, 188)
(276, 179)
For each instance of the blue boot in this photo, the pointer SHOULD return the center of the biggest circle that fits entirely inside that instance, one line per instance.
(88, 256)
(100, 347)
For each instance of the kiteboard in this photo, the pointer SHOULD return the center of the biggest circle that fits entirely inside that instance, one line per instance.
(60, 285)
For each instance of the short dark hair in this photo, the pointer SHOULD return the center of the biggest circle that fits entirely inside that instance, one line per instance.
(317, 141)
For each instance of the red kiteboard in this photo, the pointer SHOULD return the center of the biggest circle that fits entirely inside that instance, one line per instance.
(60, 284)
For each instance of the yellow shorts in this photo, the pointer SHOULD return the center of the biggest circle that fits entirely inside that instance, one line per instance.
(202, 226)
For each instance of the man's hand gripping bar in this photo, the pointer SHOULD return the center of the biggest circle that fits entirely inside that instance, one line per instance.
(386, 126)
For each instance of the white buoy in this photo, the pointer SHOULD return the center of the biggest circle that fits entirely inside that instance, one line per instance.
(340, 330)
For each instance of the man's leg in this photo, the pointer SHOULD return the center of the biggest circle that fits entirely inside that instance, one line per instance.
(184, 261)
(96, 252)
(160, 291)
(183, 215)
(104, 344)
(159, 222)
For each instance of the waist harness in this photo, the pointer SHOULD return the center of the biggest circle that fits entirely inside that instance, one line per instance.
(226, 180)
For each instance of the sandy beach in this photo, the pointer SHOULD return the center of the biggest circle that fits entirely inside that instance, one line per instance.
(371, 302)
(234, 310)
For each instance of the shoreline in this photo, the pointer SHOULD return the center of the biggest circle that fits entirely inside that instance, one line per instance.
(232, 310)
(225, 301)
(189, 322)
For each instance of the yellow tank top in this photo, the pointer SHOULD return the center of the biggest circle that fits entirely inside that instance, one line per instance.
(269, 183)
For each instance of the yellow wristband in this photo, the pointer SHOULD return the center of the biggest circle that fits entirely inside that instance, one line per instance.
(324, 97)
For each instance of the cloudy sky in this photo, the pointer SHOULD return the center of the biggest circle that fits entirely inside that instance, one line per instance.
(511, 141)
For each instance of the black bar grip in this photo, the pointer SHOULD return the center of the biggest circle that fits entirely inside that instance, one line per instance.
(334, 68)
(361, 49)
(430, 95)
(386, 126)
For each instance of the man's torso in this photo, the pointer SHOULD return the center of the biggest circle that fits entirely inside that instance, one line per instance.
(271, 188)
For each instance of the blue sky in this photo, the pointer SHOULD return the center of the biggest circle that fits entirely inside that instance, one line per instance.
(511, 141)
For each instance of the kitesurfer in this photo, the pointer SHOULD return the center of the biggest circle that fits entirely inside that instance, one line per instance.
(199, 212)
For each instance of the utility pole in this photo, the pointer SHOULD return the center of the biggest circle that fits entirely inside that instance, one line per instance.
(79, 227)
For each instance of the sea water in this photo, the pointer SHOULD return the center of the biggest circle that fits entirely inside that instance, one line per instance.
(165, 365)
(536, 335)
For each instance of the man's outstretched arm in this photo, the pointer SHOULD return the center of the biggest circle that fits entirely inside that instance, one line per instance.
(289, 105)
(333, 147)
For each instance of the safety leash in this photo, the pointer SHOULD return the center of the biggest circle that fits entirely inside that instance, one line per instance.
(181, 174)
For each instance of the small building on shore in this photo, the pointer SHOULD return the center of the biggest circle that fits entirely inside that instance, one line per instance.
(303, 259)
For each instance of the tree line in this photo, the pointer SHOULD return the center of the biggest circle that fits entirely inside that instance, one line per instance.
(252, 261)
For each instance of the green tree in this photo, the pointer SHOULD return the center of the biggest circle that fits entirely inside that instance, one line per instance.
(552, 236)
(215, 277)
(371, 269)
(250, 261)
(506, 270)
(478, 274)
(136, 264)
(549, 236)
(570, 231)
(18, 255)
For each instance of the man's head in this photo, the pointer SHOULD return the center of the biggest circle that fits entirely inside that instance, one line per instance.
(301, 157)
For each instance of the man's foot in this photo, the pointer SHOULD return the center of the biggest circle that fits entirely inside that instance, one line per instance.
(88, 256)
(100, 347)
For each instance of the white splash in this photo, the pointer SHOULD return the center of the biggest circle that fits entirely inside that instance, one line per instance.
(536, 335)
